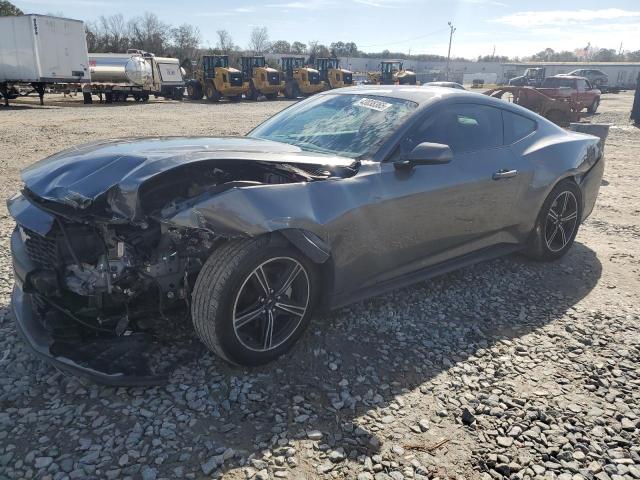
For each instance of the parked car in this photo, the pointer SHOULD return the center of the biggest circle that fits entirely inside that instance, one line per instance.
(596, 78)
(533, 77)
(578, 89)
(342, 196)
(445, 84)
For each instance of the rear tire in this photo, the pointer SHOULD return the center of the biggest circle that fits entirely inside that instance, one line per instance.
(271, 96)
(212, 93)
(241, 294)
(594, 106)
(253, 93)
(557, 223)
(194, 90)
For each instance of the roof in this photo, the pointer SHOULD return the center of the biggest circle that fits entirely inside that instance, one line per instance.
(573, 64)
(415, 93)
(425, 95)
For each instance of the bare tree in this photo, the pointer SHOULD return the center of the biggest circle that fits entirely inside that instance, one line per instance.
(317, 50)
(225, 42)
(185, 41)
(259, 40)
(281, 46)
(298, 48)
(111, 34)
(149, 33)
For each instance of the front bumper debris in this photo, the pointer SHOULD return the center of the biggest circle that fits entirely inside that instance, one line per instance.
(110, 360)
(116, 361)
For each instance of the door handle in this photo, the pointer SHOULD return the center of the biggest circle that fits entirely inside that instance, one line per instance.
(500, 174)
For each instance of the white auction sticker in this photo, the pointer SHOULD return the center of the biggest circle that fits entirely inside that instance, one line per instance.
(378, 105)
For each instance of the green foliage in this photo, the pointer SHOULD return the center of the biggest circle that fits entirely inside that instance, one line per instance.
(8, 9)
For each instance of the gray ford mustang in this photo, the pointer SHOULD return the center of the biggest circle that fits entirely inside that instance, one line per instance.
(342, 196)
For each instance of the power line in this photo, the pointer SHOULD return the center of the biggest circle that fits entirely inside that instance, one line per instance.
(405, 41)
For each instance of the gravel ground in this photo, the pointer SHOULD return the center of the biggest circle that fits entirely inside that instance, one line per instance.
(508, 369)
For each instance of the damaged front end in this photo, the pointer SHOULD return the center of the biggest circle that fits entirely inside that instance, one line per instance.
(103, 275)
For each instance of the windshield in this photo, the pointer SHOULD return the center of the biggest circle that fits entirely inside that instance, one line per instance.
(347, 125)
(557, 82)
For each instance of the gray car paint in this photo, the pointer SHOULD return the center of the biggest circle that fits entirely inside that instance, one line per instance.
(380, 224)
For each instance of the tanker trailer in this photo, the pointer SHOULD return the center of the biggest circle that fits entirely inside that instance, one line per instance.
(135, 73)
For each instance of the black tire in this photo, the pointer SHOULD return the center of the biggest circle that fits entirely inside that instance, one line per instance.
(594, 106)
(271, 96)
(87, 98)
(291, 90)
(253, 93)
(224, 278)
(550, 238)
(212, 94)
(178, 94)
(194, 90)
(236, 98)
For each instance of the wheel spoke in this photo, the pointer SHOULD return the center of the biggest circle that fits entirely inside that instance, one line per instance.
(566, 200)
(248, 317)
(570, 217)
(268, 331)
(564, 235)
(290, 308)
(552, 214)
(292, 275)
(553, 235)
(262, 279)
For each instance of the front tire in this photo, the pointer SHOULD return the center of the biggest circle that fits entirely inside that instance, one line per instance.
(594, 106)
(557, 223)
(253, 299)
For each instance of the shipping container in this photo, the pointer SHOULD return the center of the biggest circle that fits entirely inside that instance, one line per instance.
(41, 50)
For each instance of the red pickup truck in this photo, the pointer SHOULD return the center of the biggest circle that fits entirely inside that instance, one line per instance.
(578, 89)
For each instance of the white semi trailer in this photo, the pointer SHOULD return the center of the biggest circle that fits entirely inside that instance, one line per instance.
(137, 74)
(40, 50)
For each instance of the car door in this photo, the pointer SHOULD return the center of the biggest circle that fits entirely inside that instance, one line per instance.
(438, 212)
(584, 93)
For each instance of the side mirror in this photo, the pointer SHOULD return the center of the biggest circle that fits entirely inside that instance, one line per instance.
(426, 153)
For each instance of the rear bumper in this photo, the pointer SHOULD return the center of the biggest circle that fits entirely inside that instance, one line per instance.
(110, 360)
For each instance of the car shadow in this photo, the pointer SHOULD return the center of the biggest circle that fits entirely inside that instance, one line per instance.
(353, 364)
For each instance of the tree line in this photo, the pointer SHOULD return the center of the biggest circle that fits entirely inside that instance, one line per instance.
(115, 33)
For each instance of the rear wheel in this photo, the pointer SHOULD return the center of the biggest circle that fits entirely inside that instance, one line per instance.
(291, 90)
(253, 299)
(253, 93)
(557, 224)
(194, 90)
(271, 96)
(594, 106)
(213, 95)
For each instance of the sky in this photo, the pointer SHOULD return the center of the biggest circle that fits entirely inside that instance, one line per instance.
(514, 28)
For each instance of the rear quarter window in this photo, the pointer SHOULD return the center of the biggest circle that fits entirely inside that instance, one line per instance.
(516, 127)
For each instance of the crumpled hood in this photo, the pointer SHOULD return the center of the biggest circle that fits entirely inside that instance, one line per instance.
(79, 175)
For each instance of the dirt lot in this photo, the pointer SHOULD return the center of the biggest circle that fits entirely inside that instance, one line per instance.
(506, 369)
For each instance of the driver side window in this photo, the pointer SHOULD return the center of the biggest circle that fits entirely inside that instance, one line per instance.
(464, 127)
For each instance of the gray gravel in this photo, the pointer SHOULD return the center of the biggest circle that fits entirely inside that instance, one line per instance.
(508, 369)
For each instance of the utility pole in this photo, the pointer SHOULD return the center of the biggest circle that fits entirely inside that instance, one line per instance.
(451, 30)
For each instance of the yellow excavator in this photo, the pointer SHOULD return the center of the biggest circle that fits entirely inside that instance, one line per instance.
(260, 79)
(300, 79)
(392, 73)
(332, 75)
(215, 79)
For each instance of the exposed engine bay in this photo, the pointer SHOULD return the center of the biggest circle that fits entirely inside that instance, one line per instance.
(106, 270)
